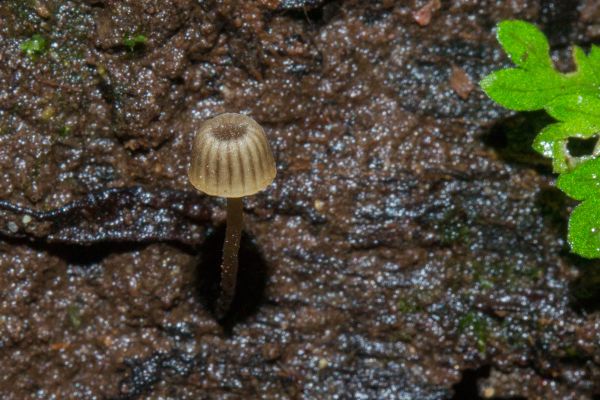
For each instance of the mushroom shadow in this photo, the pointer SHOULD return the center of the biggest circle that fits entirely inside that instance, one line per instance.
(467, 387)
(251, 279)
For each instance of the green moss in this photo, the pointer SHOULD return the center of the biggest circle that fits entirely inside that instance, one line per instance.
(74, 316)
(477, 325)
(34, 46)
(407, 306)
(452, 228)
(574, 354)
(401, 336)
(457, 233)
(415, 301)
(35, 171)
(506, 274)
(134, 42)
(64, 131)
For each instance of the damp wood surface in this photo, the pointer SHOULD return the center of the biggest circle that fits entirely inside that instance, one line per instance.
(412, 245)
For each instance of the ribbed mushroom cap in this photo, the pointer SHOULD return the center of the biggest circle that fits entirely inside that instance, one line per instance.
(231, 157)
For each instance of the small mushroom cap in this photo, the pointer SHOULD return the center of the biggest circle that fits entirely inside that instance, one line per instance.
(231, 157)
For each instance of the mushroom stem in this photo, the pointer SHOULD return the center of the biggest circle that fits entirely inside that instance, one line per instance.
(231, 246)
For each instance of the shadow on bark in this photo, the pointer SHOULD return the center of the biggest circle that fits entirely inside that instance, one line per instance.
(251, 282)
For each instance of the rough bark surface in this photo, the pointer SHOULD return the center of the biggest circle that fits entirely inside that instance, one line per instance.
(411, 247)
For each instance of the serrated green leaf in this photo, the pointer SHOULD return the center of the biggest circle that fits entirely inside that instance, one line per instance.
(578, 106)
(594, 57)
(583, 182)
(525, 44)
(584, 229)
(552, 140)
(561, 131)
(550, 143)
(519, 90)
(573, 99)
(535, 82)
(587, 65)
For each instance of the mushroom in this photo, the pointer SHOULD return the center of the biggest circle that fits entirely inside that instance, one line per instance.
(231, 158)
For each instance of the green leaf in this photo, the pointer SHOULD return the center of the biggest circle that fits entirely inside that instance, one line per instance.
(588, 65)
(578, 106)
(535, 82)
(520, 90)
(571, 98)
(594, 58)
(34, 46)
(549, 143)
(552, 140)
(584, 229)
(583, 182)
(525, 44)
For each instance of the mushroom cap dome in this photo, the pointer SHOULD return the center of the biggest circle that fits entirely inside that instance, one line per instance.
(231, 157)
